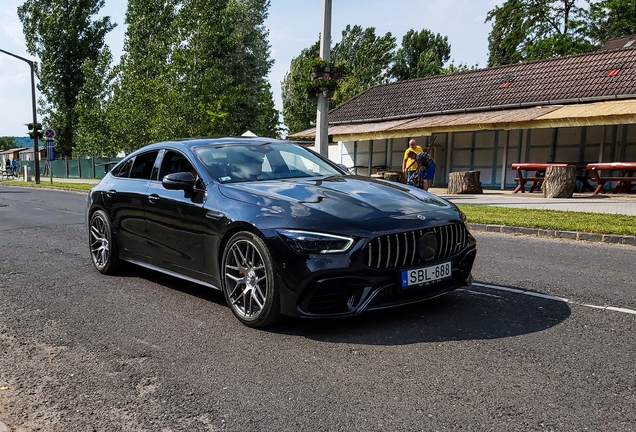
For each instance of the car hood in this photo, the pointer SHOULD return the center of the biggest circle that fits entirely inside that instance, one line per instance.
(350, 198)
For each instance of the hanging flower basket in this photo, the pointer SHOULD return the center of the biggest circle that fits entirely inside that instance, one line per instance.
(317, 72)
(324, 77)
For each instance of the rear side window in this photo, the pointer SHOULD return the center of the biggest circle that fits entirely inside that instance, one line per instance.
(142, 166)
(122, 169)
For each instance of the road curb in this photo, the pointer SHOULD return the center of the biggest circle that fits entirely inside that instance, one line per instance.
(569, 235)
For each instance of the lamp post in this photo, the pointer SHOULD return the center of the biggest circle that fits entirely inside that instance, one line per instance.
(322, 122)
(36, 155)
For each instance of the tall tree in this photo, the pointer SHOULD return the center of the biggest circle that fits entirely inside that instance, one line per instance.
(298, 111)
(93, 135)
(535, 29)
(221, 60)
(63, 35)
(140, 89)
(368, 58)
(194, 68)
(421, 54)
(609, 19)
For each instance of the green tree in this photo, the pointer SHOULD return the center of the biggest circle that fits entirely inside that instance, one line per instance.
(609, 19)
(421, 54)
(140, 92)
(93, 134)
(526, 30)
(298, 111)
(63, 35)
(194, 68)
(368, 58)
(220, 63)
(7, 143)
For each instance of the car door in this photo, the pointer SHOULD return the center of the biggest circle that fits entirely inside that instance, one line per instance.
(124, 201)
(175, 223)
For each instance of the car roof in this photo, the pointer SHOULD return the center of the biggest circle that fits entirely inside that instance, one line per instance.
(196, 142)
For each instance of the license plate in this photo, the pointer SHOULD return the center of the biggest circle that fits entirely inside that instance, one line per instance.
(426, 274)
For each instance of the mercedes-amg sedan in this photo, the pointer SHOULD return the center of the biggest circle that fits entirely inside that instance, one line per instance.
(278, 228)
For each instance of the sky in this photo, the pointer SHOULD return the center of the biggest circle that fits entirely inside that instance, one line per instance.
(293, 25)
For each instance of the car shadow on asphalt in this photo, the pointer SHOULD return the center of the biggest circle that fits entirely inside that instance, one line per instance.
(466, 314)
(459, 315)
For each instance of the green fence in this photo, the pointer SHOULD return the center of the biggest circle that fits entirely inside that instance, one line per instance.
(73, 168)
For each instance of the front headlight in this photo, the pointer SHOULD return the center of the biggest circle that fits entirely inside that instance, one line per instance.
(462, 216)
(307, 242)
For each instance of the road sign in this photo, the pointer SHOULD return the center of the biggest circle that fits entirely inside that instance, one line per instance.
(50, 149)
(49, 134)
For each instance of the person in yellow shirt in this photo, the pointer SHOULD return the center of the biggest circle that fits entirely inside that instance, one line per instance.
(409, 166)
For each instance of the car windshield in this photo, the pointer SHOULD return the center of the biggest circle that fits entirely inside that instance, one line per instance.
(232, 163)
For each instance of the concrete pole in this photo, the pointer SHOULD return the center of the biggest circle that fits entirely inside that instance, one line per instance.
(322, 120)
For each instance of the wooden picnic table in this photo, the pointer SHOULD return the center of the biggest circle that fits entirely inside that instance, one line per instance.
(625, 180)
(583, 175)
(536, 179)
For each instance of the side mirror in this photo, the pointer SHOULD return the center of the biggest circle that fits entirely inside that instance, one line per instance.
(179, 181)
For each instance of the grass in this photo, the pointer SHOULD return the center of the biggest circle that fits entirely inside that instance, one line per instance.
(597, 223)
(46, 183)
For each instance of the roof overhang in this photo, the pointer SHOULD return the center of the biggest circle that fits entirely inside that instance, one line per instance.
(590, 114)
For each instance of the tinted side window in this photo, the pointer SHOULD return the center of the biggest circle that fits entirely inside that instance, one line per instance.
(142, 166)
(122, 169)
(173, 162)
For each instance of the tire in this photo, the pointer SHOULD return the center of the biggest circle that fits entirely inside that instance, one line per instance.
(103, 246)
(249, 283)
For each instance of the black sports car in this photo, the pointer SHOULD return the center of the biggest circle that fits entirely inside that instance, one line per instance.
(278, 228)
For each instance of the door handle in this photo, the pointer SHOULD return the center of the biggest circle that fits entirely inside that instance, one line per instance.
(111, 193)
(154, 198)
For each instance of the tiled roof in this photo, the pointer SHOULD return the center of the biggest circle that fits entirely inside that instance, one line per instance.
(619, 43)
(597, 76)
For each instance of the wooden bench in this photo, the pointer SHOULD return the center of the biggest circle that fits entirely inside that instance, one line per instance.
(625, 180)
(536, 179)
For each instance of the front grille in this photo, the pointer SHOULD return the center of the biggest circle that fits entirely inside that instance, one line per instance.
(400, 250)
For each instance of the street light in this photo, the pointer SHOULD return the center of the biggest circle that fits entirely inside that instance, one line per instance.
(36, 155)
(322, 121)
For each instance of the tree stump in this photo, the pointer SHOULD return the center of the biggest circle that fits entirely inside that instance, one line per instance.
(464, 182)
(392, 176)
(559, 181)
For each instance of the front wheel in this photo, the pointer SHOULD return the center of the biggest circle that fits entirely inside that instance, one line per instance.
(102, 243)
(249, 282)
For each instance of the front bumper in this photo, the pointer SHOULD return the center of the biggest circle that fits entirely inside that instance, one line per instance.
(348, 292)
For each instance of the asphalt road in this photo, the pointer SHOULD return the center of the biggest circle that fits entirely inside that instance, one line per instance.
(142, 352)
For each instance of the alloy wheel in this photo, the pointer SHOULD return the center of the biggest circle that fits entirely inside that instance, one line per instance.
(246, 281)
(100, 244)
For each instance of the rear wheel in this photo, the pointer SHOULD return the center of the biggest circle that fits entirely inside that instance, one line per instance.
(249, 283)
(102, 243)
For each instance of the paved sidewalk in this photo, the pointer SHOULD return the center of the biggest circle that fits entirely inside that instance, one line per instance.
(601, 203)
(607, 203)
